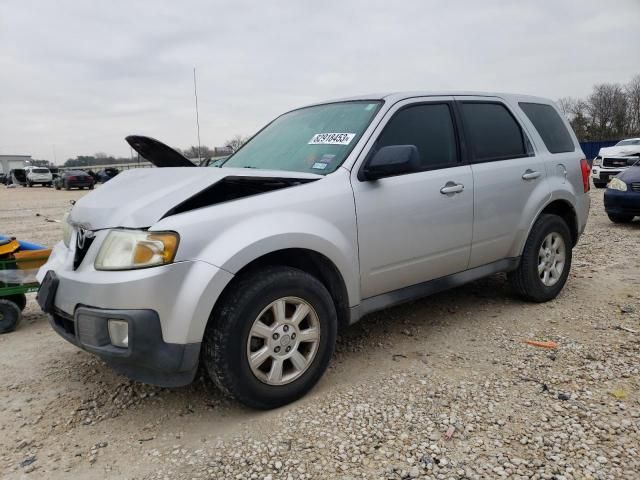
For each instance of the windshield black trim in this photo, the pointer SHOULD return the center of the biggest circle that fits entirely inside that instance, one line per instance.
(379, 101)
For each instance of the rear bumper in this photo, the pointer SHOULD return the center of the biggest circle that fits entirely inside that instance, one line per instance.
(622, 203)
(148, 358)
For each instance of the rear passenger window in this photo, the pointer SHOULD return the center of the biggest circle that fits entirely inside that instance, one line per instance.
(492, 132)
(550, 127)
(430, 128)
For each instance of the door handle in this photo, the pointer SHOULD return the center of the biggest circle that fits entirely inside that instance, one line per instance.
(530, 174)
(451, 187)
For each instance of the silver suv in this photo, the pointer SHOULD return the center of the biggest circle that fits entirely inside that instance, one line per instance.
(328, 213)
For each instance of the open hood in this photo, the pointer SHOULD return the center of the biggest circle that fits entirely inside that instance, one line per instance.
(157, 152)
(140, 197)
(620, 151)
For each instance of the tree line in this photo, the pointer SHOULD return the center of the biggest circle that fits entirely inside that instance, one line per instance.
(193, 152)
(610, 112)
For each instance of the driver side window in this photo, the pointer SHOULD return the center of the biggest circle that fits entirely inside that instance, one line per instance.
(430, 128)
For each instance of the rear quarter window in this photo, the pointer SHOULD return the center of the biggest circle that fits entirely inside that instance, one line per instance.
(492, 132)
(550, 127)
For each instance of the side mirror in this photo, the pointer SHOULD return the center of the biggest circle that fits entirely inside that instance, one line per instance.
(392, 160)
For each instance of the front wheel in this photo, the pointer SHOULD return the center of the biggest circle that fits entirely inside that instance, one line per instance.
(620, 218)
(270, 337)
(545, 262)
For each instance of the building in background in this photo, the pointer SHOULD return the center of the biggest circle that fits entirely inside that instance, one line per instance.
(11, 162)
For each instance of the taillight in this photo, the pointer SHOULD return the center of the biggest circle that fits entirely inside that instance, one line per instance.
(586, 170)
(71, 178)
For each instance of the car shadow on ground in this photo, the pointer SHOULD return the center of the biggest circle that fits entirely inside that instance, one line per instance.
(377, 336)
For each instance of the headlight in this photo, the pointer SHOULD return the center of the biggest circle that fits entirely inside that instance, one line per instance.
(617, 184)
(597, 161)
(129, 249)
(67, 230)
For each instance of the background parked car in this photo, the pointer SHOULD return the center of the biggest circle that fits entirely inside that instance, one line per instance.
(622, 198)
(17, 176)
(613, 160)
(107, 174)
(38, 176)
(74, 179)
(55, 172)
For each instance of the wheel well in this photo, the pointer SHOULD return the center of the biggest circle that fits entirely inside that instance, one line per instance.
(564, 210)
(314, 264)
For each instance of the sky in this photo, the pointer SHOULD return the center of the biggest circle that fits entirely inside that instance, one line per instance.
(76, 77)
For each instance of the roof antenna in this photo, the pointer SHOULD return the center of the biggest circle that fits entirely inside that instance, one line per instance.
(195, 93)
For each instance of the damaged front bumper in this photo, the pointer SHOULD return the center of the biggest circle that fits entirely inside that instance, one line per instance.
(166, 309)
(146, 358)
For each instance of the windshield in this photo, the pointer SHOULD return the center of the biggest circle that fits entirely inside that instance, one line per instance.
(628, 142)
(313, 139)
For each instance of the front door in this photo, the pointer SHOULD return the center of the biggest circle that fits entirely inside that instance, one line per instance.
(417, 226)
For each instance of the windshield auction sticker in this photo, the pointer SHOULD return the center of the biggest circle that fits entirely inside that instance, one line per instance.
(332, 139)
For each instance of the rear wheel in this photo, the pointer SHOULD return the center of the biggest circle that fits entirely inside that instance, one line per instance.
(9, 315)
(545, 262)
(271, 337)
(620, 218)
(66, 186)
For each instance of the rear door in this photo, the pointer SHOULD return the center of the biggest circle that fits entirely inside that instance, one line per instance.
(508, 176)
(409, 229)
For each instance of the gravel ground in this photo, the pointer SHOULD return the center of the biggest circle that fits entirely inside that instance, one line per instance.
(441, 388)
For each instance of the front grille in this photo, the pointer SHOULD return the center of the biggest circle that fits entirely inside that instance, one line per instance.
(81, 251)
(619, 162)
(635, 186)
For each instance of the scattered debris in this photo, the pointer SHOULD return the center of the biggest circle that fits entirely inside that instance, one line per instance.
(28, 461)
(626, 329)
(449, 433)
(542, 344)
(396, 356)
(563, 396)
(618, 394)
(627, 308)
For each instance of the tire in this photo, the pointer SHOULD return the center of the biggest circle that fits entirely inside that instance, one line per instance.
(620, 218)
(66, 186)
(91, 187)
(526, 279)
(29, 184)
(9, 316)
(57, 185)
(228, 339)
(19, 299)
